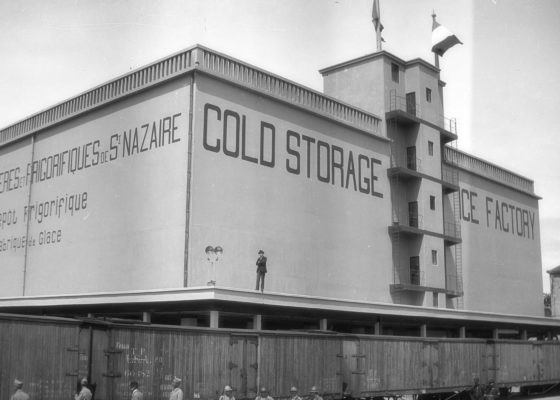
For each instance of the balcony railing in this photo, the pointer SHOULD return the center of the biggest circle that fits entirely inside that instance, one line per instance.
(404, 276)
(450, 175)
(401, 103)
(452, 229)
(453, 283)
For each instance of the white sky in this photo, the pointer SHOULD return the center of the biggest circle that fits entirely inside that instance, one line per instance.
(502, 84)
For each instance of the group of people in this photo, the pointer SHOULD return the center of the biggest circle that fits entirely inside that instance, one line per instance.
(265, 395)
(177, 393)
(85, 392)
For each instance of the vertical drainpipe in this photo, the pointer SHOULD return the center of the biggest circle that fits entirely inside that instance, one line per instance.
(189, 177)
(28, 216)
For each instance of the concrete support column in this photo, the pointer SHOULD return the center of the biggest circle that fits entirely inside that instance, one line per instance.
(214, 319)
(495, 334)
(323, 324)
(147, 317)
(462, 332)
(257, 322)
(377, 329)
(90, 315)
(424, 330)
(523, 335)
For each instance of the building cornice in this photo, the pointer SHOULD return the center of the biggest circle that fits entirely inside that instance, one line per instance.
(196, 58)
(469, 163)
(372, 56)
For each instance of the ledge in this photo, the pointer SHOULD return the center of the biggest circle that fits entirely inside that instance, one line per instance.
(408, 287)
(155, 298)
(411, 231)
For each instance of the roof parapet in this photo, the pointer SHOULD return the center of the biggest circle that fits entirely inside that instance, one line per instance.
(488, 170)
(201, 59)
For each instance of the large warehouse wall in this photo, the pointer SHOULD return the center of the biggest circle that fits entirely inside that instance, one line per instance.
(262, 190)
(100, 200)
(501, 248)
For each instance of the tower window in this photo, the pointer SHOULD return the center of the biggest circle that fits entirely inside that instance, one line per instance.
(395, 72)
(428, 95)
(432, 202)
(430, 148)
(434, 257)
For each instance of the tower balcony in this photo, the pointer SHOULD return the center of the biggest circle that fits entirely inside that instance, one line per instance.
(451, 231)
(450, 179)
(406, 111)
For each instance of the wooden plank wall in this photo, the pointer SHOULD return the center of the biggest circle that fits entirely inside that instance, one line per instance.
(154, 357)
(51, 354)
(517, 361)
(550, 362)
(460, 362)
(301, 361)
(37, 352)
(391, 364)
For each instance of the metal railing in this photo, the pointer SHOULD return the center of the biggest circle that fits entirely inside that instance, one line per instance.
(400, 103)
(450, 175)
(452, 229)
(452, 283)
(449, 124)
(405, 276)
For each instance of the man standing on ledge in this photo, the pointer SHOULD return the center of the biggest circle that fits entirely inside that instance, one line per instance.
(261, 270)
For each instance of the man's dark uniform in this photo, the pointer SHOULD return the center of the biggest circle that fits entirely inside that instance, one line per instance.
(261, 270)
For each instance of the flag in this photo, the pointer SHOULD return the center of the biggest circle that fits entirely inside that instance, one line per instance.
(376, 16)
(442, 38)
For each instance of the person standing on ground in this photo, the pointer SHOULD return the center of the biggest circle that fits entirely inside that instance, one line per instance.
(314, 394)
(261, 271)
(294, 394)
(477, 391)
(85, 393)
(227, 393)
(176, 393)
(136, 394)
(19, 394)
(263, 395)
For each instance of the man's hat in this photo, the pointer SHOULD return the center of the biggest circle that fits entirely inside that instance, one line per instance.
(263, 389)
(293, 389)
(314, 390)
(261, 252)
(17, 382)
(176, 380)
(228, 388)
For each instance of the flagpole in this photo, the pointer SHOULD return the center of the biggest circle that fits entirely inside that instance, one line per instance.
(376, 19)
(436, 57)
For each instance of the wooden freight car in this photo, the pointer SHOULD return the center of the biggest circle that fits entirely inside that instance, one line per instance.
(50, 354)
